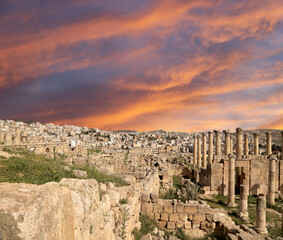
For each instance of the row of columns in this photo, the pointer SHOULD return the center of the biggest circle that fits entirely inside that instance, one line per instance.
(242, 145)
(260, 226)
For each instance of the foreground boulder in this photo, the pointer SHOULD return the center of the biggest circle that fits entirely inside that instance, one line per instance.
(71, 209)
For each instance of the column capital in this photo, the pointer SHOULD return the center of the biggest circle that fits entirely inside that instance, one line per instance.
(255, 134)
(211, 132)
(239, 130)
(231, 156)
(246, 135)
(226, 132)
(268, 134)
(204, 134)
(216, 132)
(198, 136)
(195, 136)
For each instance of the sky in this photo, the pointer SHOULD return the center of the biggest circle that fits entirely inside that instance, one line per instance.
(177, 65)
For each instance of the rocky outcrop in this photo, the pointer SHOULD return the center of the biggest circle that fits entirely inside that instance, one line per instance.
(71, 209)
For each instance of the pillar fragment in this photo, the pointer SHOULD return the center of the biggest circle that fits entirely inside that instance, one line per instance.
(260, 226)
(243, 208)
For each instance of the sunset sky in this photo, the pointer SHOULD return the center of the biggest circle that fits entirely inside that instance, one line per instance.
(177, 65)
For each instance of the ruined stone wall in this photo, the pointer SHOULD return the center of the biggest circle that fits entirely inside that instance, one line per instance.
(173, 214)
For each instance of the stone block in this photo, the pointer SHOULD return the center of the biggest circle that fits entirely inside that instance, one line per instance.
(154, 198)
(195, 224)
(171, 225)
(190, 208)
(164, 216)
(205, 225)
(199, 217)
(145, 197)
(157, 216)
(180, 208)
(179, 224)
(157, 208)
(162, 224)
(183, 217)
(168, 209)
(188, 225)
(173, 217)
(146, 207)
(190, 217)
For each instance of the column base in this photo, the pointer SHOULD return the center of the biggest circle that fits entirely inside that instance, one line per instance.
(244, 216)
(232, 204)
(261, 230)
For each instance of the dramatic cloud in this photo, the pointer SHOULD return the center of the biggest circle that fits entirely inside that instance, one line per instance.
(143, 65)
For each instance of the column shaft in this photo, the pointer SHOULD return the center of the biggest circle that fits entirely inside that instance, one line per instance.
(210, 145)
(268, 144)
(271, 180)
(231, 181)
(227, 142)
(199, 151)
(246, 145)
(239, 143)
(204, 160)
(260, 226)
(195, 150)
(256, 144)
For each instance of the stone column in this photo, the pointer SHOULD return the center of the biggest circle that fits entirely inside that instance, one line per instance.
(268, 143)
(8, 138)
(231, 181)
(271, 180)
(260, 226)
(256, 152)
(210, 145)
(231, 145)
(2, 137)
(204, 161)
(17, 139)
(217, 143)
(239, 143)
(199, 151)
(246, 144)
(195, 149)
(243, 210)
(227, 142)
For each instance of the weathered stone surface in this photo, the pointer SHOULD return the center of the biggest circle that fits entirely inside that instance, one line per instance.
(173, 217)
(71, 209)
(146, 237)
(164, 216)
(80, 174)
(171, 225)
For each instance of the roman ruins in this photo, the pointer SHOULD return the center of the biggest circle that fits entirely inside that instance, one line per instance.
(234, 165)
